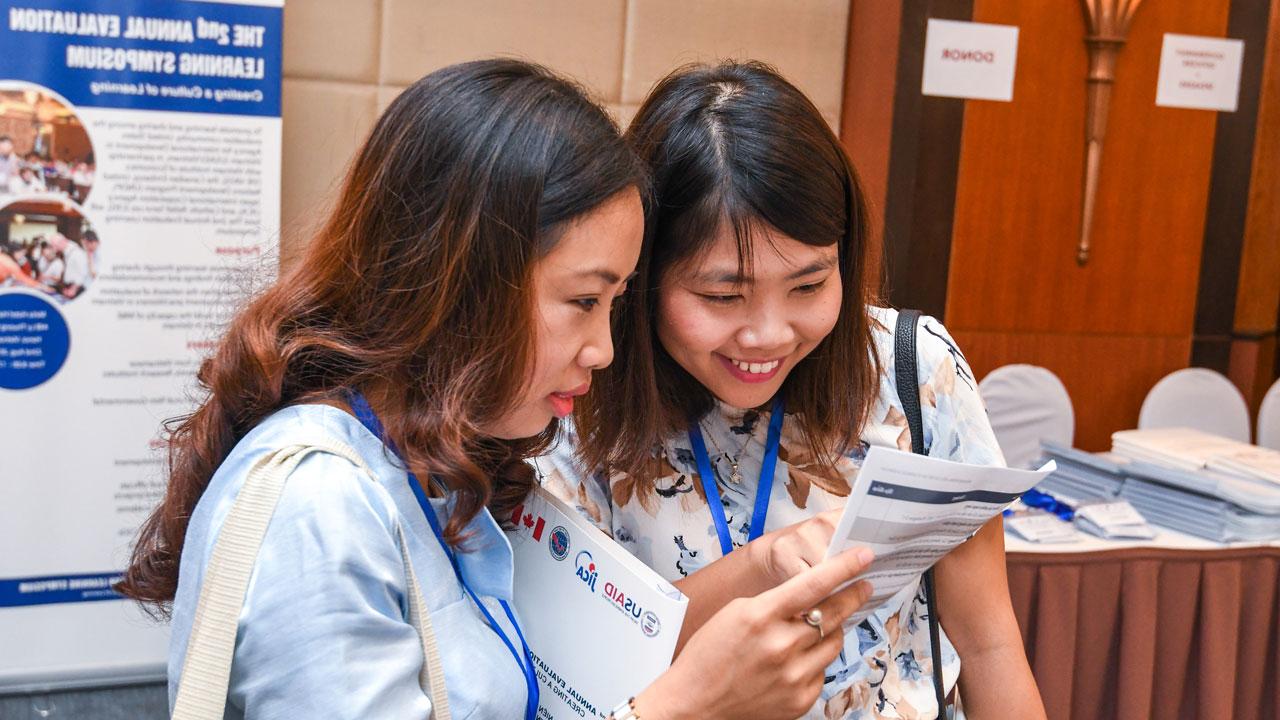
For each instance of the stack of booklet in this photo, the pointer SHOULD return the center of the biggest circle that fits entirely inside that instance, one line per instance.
(1186, 480)
(1082, 475)
(1091, 484)
(1201, 484)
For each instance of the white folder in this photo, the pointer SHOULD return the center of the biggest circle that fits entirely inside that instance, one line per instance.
(601, 624)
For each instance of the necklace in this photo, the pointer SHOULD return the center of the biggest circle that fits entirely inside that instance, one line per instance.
(735, 475)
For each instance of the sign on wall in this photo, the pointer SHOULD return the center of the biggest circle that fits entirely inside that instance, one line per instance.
(970, 60)
(1201, 73)
(139, 192)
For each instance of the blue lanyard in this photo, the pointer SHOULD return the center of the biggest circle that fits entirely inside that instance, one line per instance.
(366, 416)
(763, 489)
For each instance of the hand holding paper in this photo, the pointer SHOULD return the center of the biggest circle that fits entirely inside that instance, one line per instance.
(911, 510)
(755, 657)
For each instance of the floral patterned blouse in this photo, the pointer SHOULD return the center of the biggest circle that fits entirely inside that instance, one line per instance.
(885, 670)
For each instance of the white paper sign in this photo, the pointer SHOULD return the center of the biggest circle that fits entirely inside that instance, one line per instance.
(970, 60)
(1202, 73)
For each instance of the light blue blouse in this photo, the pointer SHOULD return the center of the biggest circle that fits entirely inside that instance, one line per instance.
(324, 632)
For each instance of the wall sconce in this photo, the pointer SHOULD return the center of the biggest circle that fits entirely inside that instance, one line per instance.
(1108, 26)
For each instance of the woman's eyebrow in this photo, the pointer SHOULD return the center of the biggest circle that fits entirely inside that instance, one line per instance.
(607, 275)
(714, 276)
(824, 264)
(733, 277)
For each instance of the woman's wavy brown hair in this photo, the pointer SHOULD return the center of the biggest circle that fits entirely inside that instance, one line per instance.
(418, 283)
(734, 144)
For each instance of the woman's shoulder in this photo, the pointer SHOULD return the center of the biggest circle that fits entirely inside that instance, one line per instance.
(939, 360)
(955, 421)
(330, 566)
(324, 490)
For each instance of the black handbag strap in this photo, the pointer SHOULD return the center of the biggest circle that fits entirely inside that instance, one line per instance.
(904, 345)
(908, 381)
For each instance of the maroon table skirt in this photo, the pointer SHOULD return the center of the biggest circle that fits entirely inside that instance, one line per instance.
(1152, 633)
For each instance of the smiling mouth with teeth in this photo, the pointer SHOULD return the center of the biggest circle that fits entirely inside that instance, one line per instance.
(756, 368)
(748, 371)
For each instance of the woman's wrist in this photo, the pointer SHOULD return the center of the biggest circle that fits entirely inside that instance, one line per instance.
(762, 575)
(657, 702)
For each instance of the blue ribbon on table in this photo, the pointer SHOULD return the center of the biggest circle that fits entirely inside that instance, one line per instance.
(1043, 500)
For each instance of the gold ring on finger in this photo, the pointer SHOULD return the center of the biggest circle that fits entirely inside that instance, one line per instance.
(813, 619)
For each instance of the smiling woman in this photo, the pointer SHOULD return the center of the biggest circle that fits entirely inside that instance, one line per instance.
(741, 335)
(754, 370)
(758, 239)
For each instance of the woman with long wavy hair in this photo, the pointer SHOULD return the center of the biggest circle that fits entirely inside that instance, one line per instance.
(454, 304)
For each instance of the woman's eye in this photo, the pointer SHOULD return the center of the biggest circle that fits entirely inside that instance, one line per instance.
(586, 304)
(718, 299)
(811, 288)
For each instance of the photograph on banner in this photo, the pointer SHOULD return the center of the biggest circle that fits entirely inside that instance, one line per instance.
(48, 245)
(44, 147)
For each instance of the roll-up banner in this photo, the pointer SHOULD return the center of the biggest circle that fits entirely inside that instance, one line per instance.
(139, 202)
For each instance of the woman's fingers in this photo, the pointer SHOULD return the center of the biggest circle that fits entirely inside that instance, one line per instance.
(824, 651)
(812, 586)
(793, 564)
(840, 606)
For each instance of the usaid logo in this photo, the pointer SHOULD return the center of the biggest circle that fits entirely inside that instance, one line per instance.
(559, 544)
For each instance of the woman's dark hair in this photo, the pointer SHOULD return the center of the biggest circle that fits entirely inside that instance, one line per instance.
(734, 145)
(419, 283)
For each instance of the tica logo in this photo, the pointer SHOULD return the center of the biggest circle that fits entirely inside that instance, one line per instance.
(530, 521)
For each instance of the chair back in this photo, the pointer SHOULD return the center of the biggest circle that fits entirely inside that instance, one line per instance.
(1027, 404)
(1269, 419)
(1197, 398)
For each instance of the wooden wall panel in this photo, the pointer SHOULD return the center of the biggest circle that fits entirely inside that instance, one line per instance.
(1258, 296)
(1106, 376)
(866, 117)
(982, 205)
(1235, 161)
(1021, 170)
(71, 142)
(923, 164)
(1251, 366)
(870, 73)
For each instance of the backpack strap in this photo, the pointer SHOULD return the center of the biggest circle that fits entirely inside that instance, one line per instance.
(206, 668)
(908, 381)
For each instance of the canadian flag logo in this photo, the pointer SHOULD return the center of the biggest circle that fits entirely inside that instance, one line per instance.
(529, 520)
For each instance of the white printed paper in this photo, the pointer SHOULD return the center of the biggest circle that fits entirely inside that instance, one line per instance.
(911, 510)
(1201, 73)
(1116, 519)
(970, 60)
(1041, 527)
(601, 624)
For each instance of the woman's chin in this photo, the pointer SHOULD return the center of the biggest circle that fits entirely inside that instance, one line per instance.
(738, 394)
(521, 428)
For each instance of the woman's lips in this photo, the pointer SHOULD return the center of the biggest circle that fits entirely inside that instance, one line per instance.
(745, 374)
(561, 405)
(562, 402)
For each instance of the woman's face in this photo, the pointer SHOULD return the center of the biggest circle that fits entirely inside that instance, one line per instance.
(741, 336)
(574, 287)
